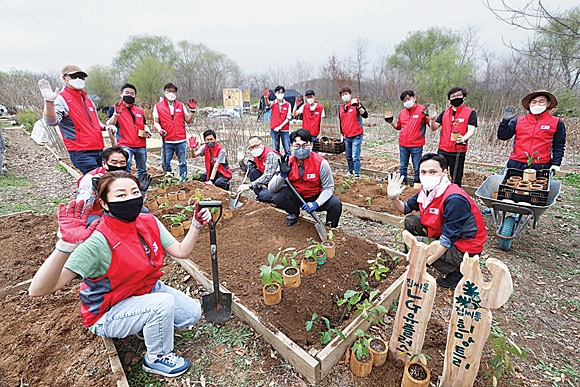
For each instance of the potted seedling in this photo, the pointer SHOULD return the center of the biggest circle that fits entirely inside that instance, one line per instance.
(416, 373)
(181, 194)
(271, 280)
(176, 226)
(361, 360)
(163, 183)
(329, 245)
(291, 274)
(186, 213)
(315, 251)
(530, 173)
(379, 349)
(172, 196)
(152, 204)
(162, 198)
(325, 336)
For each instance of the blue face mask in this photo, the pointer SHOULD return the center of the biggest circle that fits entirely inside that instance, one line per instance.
(301, 153)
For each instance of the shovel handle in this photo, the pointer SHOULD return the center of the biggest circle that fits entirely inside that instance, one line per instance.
(301, 199)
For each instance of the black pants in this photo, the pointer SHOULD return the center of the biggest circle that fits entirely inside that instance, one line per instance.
(220, 180)
(521, 166)
(286, 200)
(262, 193)
(449, 261)
(450, 157)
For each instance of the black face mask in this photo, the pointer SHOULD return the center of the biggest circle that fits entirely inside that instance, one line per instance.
(457, 101)
(210, 145)
(127, 210)
(111, 168)
(129, 99)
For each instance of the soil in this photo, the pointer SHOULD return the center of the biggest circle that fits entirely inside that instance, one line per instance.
(47, 344)
(417, 372)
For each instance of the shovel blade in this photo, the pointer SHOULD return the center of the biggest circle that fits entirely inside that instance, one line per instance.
(321, 230)
(217, 307)
(235, 202)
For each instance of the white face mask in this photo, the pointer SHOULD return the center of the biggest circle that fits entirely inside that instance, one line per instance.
(409, 104)
(78, 83)
(170, 96)
(538, 109)
(310, 100)
(345, 98)
(257, 152)
(280, 96)
(430, 182)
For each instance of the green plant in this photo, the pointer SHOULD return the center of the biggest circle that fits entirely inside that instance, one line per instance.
(370, 312)
(27, 118)
(502, 347)
(421, 358)
(325, 336)
(360, 347)
(531, 157)
(314, 250)
(175, 218)
(268, 272)
(310, 323)
(362, 276)
(368, 199)
(378, 268)
(290, 256)
(347, 181)
(197, 197)
(186, 211)
(350, 298)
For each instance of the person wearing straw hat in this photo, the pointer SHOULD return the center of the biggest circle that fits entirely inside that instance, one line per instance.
(539, 137)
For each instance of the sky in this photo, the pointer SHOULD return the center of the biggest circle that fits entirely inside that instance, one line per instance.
(40, 35)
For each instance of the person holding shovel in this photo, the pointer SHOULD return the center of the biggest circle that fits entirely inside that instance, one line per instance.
(171, 118)
(458, 124)
(311, 176)
(132, 129)
(260, 169)
(217, 170)
(446, 213)
(119, 260)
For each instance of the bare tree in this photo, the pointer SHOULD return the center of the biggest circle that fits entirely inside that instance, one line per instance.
(358, 60)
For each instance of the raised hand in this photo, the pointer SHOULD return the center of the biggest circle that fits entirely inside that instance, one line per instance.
(395, 186)
(192, 103)
(285, 166)
(72, 222)
(144, 182)
(119, 106)
(509, 113)
(46, 90)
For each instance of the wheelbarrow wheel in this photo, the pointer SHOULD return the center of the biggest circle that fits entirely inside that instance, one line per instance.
(507, 229)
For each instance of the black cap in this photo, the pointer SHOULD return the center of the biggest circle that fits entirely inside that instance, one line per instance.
(309, 92)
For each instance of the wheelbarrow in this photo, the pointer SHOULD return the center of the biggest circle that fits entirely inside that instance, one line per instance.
(508, 226)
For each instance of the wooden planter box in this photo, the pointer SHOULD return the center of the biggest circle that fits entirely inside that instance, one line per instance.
(314, 366)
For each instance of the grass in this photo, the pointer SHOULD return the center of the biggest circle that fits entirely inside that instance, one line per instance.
(570, 372)
(571, 179)
(8, 180)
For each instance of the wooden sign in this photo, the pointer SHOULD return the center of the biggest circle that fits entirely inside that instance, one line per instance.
(415, 301)
(470, 321)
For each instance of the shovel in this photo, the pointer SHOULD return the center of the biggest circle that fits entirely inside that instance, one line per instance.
(320, 229)
(163, 150)
(235, 202)
(217, 306)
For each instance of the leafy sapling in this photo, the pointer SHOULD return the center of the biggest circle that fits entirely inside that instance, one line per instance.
(269, 273)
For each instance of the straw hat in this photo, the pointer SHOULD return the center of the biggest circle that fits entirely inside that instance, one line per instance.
(547, 94)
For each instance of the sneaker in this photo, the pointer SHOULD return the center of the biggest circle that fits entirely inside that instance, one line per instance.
(450, 280)
(291, 220)
(486, 211)
(169, 365)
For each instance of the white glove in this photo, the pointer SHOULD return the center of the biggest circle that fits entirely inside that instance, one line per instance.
(241, 155)
(46, 90)
(555, 168)
(243, 187)
(395, 187)
(112, 128)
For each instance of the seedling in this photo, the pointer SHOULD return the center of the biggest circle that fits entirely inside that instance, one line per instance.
(502, 347)
(370, 312)
(268, 272)
(315, 249)
(196, 197)
(350, 298)
(290, 256)
(378, 268)
(531, 157)
(360, 347)
(368, 199)
(362, 278)
(175, 218)
(325, 336)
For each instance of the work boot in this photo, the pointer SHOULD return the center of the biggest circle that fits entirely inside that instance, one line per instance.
(450, 280)
(291, 220)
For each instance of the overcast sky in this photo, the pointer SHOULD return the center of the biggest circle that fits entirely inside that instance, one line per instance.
(43, 35)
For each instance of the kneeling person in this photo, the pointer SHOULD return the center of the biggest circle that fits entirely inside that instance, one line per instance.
(447, 213)
(217, 170)
(261, 169)
(310, 174)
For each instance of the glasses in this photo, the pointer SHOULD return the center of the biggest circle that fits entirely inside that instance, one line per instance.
(303, 146)
(250, 147)
(77, 76)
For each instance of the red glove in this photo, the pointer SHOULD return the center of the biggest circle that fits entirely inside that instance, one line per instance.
(192, 103)
(162, 132)
(201, 215)
(192, 142)
(72, 222)
(119, 107)
(266, 92)
(298, 100)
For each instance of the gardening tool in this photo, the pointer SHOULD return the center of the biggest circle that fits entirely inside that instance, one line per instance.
(163, 150)
(234, 202)
(112, 137)
(458, 149)
(320, 229)
(217, 306)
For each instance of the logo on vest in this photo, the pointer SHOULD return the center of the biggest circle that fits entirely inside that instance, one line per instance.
(545, 127)
(415, 116)
(310, 175)
(461, 120)
(137, 115)
(90, 109)
(434, 211)
(155, 247)
(178, 110)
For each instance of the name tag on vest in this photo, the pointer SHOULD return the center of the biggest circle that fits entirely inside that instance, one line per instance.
(461, 120)
(137, 115)
(545, 127)
(178, 110)
(415, 116)
(90, 109)
(350, 110)
(155, 247)
(310, 175)
(434, 211)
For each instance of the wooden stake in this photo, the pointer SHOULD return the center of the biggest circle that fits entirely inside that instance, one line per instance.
(470, 321)
(415, 301)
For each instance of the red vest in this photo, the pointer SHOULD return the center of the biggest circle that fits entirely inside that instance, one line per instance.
(131, 273)
(173, 125)
(311, 119)
(432, 218)
(454, 124)
(97, 210)
(128, 129)
(210, 158)
(261, 161)
(309, 185)
(349, 124)
(409, 124)
(534, 135)
(87, 128)
(279, 114)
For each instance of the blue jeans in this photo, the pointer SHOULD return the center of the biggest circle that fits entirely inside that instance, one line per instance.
(352, 146)
(179, 149)
(415, 154)
(140, 155)
(86, 161)
(283, 135)
(156, 314)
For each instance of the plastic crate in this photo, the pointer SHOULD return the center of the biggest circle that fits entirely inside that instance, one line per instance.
(536, 197)
(328, 145)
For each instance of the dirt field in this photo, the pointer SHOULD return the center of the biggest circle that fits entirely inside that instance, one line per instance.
(48, 345)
